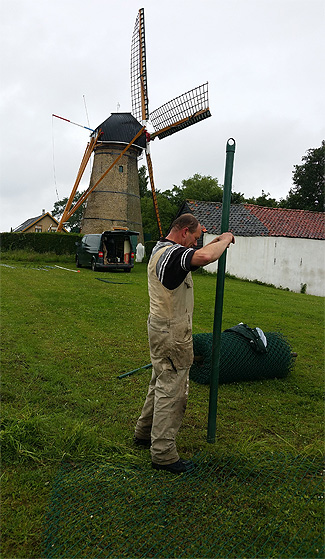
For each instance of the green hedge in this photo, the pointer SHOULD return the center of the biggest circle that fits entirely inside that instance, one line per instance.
(59, 243)
(148, 247)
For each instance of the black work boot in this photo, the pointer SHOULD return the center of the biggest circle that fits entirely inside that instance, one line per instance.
(177, 467)
(142, 442)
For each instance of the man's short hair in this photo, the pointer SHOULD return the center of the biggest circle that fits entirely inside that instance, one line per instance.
(185, 220)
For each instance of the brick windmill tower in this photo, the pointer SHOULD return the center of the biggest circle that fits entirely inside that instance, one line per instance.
(115, 202)
(113, 198)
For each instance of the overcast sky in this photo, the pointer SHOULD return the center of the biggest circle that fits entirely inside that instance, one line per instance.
(263, 59)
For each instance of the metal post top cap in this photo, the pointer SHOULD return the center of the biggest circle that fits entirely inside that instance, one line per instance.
(231, 144)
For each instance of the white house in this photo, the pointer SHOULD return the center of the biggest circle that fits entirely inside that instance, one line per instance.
(273, 245)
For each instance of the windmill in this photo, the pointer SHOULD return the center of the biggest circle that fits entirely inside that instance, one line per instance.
(113, 195)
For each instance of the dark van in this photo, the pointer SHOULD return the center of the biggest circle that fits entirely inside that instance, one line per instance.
(110, 250)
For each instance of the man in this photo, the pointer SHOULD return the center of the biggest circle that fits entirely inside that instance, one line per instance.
(170, 287)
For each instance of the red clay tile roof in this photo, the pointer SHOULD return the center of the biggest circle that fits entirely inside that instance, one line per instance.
(248, 220)
(281, 222)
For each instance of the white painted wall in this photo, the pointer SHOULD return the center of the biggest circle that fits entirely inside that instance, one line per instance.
(282, 261)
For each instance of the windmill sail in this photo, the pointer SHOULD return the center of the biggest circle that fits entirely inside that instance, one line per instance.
(139, 92)
(181, 112)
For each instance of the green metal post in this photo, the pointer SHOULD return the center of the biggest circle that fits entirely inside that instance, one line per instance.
(214, 379)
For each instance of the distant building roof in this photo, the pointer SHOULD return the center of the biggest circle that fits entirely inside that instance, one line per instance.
(248, 220)
(281, 222)
(33, 221)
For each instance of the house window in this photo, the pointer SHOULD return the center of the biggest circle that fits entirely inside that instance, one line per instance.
(120, 168)
(38, 229)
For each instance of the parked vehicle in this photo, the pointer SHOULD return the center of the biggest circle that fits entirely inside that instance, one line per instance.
(110, 250)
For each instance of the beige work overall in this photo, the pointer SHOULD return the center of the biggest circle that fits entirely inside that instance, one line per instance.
(171, 351)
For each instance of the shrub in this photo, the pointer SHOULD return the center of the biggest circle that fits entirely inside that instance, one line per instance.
(148, 247)
(58, 243)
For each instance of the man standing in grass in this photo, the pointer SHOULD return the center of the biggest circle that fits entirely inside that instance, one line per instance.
(170, 337)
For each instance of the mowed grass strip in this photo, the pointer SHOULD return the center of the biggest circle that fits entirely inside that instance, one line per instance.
(67, 336)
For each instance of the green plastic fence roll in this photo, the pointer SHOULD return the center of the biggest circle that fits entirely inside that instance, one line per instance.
(239, 361)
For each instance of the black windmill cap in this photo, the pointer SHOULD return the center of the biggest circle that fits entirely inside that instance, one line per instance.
(121, 128)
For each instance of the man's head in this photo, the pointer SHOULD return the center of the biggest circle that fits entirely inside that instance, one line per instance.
(185, 230)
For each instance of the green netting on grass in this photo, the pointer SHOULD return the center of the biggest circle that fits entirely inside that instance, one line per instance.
(269, 506)
(238, 361)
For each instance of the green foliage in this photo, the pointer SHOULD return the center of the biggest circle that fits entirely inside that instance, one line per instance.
(149, 246)
(263, 200)
(167, 208)
(23, 440)
(143, 182)
(237, 198)
(303, 288)
(74, 222)
(167, 212)
(198, 187)
(309, 182)
(58, 243)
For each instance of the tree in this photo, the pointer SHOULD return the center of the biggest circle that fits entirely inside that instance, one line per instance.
(309, 182)
(167, 208)
(237, 198)
(198, 187)
(143, 182)
(263, 200)
(167, 212)
(202, 188)
(74, 223)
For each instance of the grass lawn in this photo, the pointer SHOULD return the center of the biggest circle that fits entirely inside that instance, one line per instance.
(66, 337)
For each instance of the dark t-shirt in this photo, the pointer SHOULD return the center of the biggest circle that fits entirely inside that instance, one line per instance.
(174, 264)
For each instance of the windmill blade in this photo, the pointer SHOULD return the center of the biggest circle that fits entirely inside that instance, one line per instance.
(89, 149)
(85, 195)
(181, 112)
(139, 92)
(153, 190)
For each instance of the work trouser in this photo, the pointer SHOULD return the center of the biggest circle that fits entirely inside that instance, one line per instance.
(166, 401)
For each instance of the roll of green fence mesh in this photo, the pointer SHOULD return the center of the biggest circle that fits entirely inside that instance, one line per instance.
(238, 361)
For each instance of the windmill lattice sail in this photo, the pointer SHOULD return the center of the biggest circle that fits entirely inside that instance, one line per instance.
(139, 91)
(181, 112)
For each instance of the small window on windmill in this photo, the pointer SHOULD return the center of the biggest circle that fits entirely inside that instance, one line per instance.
(120, 169)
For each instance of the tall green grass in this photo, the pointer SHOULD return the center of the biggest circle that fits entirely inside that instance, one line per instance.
(29, 256)
(67, 336)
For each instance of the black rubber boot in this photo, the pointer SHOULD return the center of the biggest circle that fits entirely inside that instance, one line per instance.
(142, 442)
(177, 467)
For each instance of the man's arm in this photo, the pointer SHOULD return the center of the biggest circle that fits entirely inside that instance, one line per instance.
(213, 250)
